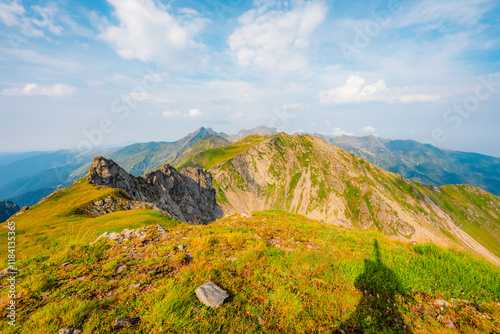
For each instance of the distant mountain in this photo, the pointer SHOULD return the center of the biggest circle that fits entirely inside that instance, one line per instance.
(207, 142)
(7, 209)
(423, 162)
(305, 175)
(8, 158)
(142, 158)
(259, 130)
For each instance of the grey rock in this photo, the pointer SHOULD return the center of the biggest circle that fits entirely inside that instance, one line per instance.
(450, 324)
(181, 247)
(121, 322)
(161, 229)
(211, 295)
(7, 271)
(70, 330)
(120, 268)
(441, 302)
(187, 195)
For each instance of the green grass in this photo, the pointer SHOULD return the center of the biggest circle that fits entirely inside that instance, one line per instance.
(283, 273)
(215, 156)
(53, 225)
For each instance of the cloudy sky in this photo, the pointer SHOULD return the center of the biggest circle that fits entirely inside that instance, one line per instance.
(104, 73)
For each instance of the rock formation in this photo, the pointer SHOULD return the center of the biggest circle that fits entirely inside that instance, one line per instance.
(187, 196)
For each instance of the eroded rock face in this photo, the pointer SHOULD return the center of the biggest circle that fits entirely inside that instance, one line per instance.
(187, 196)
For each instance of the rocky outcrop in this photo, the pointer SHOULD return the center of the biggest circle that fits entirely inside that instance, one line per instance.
(110, 204)
(187, 196)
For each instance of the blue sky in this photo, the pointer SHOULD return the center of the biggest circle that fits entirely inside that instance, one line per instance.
(105, 73)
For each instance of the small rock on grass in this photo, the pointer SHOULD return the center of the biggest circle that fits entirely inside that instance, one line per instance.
(211, 295)
(121, 322)
(181, 247)
(70, 330)
(120, 268)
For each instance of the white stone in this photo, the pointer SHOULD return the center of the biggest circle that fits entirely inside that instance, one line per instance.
(211, 295)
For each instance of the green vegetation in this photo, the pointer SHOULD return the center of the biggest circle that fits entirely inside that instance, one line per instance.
(283, 272)
(215, 156)
(54, 224)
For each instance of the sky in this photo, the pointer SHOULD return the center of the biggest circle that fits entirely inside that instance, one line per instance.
(92, 74)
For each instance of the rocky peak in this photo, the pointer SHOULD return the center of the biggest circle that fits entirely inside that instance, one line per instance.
(186, 196)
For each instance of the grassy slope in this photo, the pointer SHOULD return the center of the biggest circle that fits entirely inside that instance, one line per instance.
(207, 142)
(283, 272)
(51, 225)
(476, 211)
(214, 156)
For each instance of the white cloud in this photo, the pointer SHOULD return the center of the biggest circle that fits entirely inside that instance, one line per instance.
(47, 15)
(33, 89)
(168, 113)
(150, 33)
(443, 13)
(10, 13)
(355, 91)
(188, 11)
(276, 40)
(195, 113)
(340, 132)
(239, 115)
(369, 129)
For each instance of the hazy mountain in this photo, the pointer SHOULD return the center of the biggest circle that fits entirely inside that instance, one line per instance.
(423, 162)
(305, 175)
(8, 158)
(7, 209)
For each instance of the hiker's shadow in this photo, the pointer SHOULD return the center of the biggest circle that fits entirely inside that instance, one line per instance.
(377, 311)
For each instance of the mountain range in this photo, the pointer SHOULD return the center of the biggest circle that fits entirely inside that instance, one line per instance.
(27, 178)
(302, 236)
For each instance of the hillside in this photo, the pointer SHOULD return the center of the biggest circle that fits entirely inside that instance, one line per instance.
(206, 143)
(305, 175)
(425, 163)
(283, 273)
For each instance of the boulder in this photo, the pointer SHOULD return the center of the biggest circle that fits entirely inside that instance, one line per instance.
(211, 295)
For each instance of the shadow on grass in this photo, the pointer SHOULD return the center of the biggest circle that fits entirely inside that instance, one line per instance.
(377, 311)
